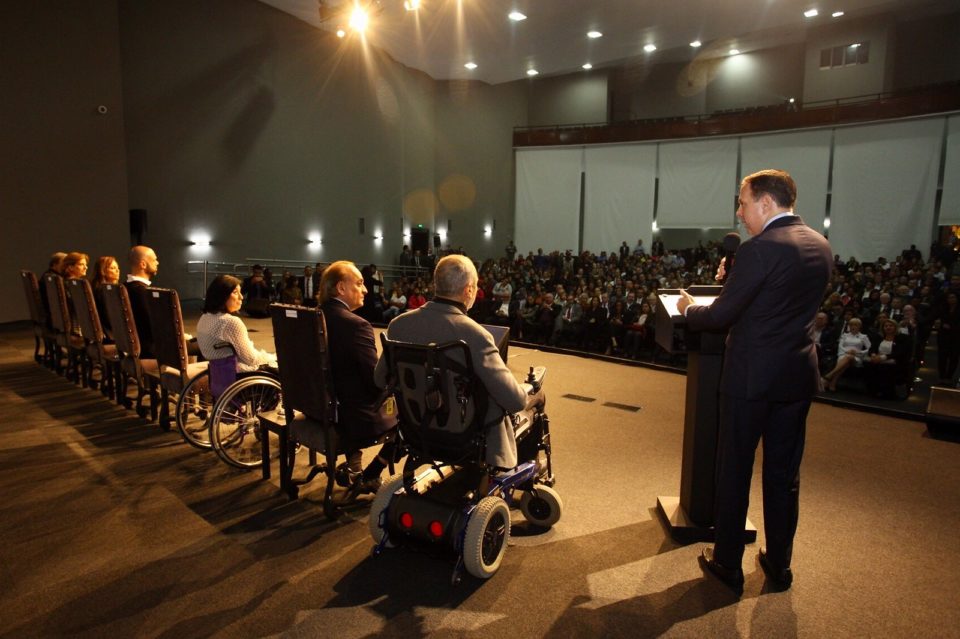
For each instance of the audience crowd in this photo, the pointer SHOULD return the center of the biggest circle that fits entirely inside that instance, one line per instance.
(874, 323)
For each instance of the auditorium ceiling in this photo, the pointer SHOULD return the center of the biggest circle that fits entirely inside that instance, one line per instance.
(443, 36)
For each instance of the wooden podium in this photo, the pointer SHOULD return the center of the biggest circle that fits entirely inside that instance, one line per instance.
(690, 516)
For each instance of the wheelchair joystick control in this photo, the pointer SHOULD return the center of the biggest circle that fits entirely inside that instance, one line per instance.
(531, 378)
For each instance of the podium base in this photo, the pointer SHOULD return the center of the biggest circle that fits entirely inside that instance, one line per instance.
(685, 531)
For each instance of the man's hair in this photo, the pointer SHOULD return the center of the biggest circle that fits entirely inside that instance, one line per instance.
(56, 261)
(333, 275)
(775, 183)
(452, 275)
(218, 292)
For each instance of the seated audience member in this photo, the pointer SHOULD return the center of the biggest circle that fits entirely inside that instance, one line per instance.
(852, 349)
(256, 293)
(616, 330)
(415, 300)
(638, 330)
(74, 267)
(143, 265)
(825, 340)
(290, 292)
(107, 272)
(445, 319)
(396, 304)
(570, 323)
(887, 363)
(353, 356)
(220, 324)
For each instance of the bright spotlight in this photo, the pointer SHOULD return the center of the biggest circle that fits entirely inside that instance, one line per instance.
(516, 16)
(734, 51)
(471, 65)
(649, 48)
(341, 32)
(532, 72)
(359, 19)
(411, 5)
(696, 44)
(811, 13)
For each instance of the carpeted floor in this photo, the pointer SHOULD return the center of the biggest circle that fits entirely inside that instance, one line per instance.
(110, 527)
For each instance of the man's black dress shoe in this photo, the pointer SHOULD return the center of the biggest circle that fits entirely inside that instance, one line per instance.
(732, 577)
(781, 578)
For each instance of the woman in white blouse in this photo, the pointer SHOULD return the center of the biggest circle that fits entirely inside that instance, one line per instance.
(851, 351)
(218, 324)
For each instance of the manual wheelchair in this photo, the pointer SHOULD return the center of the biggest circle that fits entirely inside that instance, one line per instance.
(447, 497)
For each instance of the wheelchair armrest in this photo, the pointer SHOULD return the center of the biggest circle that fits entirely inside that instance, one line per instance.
(535, 378)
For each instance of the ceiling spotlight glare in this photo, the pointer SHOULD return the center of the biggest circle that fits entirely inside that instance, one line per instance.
(649, 48)
(792, 100)
(516, 16)
(359, 19)
(734, 51)
(341, 33)
(811, 13)
(836, 14)
(471, 65)
(532, 72)
(594, 34)
(411, 5)
(696, 44)
(587, 66)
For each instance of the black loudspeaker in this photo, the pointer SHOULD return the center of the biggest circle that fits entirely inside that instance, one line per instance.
(420, 240)
(138, 225)
(943, 413)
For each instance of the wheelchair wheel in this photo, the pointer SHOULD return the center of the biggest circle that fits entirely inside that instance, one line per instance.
(485, 541)
(544, 508)
(378, 508)
(235, 424)
(193, 410)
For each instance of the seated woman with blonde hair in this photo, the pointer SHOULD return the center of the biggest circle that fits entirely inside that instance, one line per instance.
(851, 351)
(219, 324)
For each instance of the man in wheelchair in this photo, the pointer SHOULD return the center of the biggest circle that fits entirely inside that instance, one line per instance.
(464, 416)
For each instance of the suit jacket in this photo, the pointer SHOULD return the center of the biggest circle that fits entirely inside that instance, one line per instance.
(439, 323)
(353, 356)
(137, 291)
(769, 302)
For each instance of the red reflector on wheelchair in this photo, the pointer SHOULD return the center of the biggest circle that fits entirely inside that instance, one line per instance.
(436, 529)
(406, 520)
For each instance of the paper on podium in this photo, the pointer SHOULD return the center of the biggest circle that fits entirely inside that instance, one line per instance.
(670, 302)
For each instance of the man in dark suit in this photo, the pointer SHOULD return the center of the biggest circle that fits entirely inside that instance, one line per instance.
(309, 285)
(769, 373)
(353, 357)
(143, 265)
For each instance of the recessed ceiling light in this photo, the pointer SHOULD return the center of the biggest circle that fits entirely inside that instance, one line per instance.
(836, 14)
(594, 34)
(792, 100)
(341, 32)
(587, 66)
(811, 13)
(516, 16)
(649, 48)
(695, 44)
(532, 72)
(734, 51)
(471, 65)
(411, 5)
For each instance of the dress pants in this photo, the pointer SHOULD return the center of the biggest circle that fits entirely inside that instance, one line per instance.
(782, 427)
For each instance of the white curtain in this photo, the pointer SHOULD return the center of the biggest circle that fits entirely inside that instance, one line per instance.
(950, 201)
(548, 199)
(618, 198)
(698, 184)
(805, 155)
(884, 187)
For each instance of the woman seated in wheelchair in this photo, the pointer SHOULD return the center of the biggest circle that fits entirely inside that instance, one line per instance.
(219, 325)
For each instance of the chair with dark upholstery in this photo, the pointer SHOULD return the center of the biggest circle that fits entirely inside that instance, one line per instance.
(39, 319)
(101, 356)
(67, 341)
(170, 346)
(308, 415)
(145, 372)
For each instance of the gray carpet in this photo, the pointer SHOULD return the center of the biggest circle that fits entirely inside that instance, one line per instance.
(110, 527)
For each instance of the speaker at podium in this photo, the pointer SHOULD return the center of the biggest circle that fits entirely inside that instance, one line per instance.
(690, 516)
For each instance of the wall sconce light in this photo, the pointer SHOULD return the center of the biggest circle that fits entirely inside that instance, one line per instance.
(200, 240)
(487, 230)
(654, 226)
(378, 236)
(443, 234)
(826, 223)
(314, 238)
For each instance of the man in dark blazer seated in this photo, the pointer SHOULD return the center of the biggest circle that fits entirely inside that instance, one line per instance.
(353, 357)
(143, 265)
(769, 374)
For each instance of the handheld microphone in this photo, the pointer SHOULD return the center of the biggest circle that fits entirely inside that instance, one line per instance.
(731, 242)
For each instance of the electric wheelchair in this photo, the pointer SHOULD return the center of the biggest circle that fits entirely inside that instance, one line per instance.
(447, 497)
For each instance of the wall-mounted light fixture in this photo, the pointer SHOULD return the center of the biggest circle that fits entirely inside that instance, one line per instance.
(200, 240)
(314, 240)
(487, 230)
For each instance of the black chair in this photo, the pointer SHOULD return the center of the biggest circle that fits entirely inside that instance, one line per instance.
(308, 413)
(66, 341)
(170, 346)
(38, 319)
(145, 372)
(101, 356)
